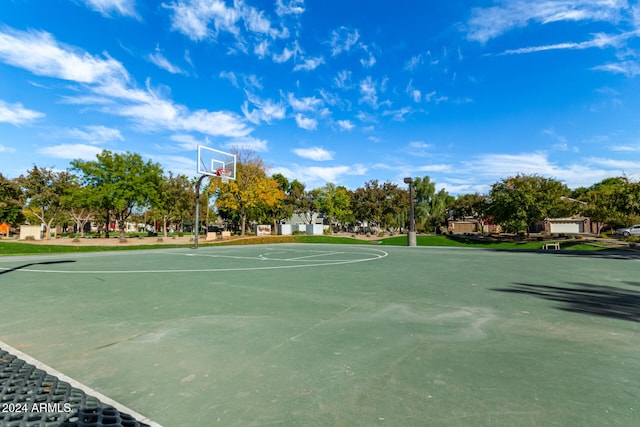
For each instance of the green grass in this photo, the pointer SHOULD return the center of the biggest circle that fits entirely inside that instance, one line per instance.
(21, 248)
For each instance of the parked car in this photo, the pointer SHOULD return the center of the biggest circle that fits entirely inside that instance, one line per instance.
(634, 230)
(215, 229)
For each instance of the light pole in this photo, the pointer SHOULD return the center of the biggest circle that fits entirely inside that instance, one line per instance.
(411, 236)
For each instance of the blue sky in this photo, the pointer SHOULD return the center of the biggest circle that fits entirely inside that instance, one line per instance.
(328, 91)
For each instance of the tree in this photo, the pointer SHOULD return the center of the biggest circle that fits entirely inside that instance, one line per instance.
(11, 202)
(470, 205)
(175, 199)
(334, 202)
(368, 203)
(78, 206)
(251, 191)
(47, 193)
(520, 201)
(612, 201)
(120, 183)
(430, 207)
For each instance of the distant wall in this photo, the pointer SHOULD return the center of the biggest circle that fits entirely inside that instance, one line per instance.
(31, 231)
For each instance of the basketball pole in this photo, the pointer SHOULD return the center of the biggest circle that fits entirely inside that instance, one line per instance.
(197, 219)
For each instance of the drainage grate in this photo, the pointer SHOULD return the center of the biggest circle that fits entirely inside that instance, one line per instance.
(29, 397)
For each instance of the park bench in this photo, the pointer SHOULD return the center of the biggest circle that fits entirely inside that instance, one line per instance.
(551, 246)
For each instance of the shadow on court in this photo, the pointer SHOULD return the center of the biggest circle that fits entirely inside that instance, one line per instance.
(586, 298)
(31, 264)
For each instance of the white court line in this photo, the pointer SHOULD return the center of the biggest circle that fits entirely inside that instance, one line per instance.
(317, 255)
(373, 255)
(88, 390)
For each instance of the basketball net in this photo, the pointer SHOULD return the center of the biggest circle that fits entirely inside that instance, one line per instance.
(223, 174)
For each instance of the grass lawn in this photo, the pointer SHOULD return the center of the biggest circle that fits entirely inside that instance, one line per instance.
(21, 248)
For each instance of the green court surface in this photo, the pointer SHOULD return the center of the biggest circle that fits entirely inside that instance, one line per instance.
(337, 335)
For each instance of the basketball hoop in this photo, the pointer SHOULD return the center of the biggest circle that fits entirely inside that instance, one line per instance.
(224, 174)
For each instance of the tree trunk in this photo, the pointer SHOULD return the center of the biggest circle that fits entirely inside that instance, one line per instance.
(164, 224)
(243, 223)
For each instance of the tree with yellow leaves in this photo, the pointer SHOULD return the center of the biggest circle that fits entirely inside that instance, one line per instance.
(251, 192)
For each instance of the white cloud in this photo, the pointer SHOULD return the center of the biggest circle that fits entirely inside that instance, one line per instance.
(317, 176)
(600, 41)
(187, 142)
(628, 68)
(306, 123)
(369, 92)
(343, 79)
(72, 151)
(230, 76)
(95, 134)
(342, 40)
(207, 19)
(39, 53)
(289, 7)
(160, 61)
(398, 115)
(345, 125)
(4, 149)
(309, 64)
(304, 104)
(580, 173)
(265, 111)
(107, 7)
(315, 153)
(16, 114)
(248, 143)
(491, 22)
(626, 148)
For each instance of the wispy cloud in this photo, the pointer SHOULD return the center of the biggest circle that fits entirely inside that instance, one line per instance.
(369, 92)
(289, 7)
(39, 53)
(599, 41)
(110, 87)
(309, 64)
(72, 151)
(109, 7)
(304, 104)
(318, 176)
(94, 134)
(345, 125)
(206, 19)
(16, 114)
(318, 154)
(491, 22)
(160, 61)
(342, 40)
(265, 110)
(628, 68)
(305, 122)
(248, 143)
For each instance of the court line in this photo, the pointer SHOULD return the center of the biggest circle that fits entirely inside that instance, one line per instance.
(88, 390)
(372, 257)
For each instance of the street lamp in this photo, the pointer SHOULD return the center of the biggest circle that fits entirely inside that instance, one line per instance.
(411, 236)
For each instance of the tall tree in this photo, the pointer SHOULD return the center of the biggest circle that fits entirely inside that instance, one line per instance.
(520, 201)
(79, 207)
(334, 202)
(251, 191)
(11, 201)
(47, 193)
(120, 183)
(430, 206)
(175, 199)
(368, 203)
(612, 201)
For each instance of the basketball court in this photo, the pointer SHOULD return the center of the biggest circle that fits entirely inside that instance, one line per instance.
(343, 335)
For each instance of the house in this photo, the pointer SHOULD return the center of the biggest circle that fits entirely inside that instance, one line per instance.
(573, 225)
